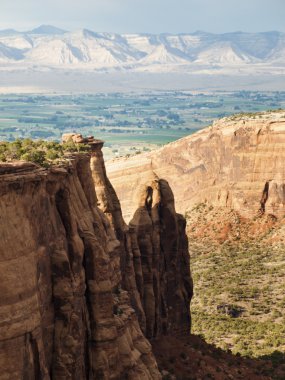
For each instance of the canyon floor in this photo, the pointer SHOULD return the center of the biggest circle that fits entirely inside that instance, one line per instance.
(194, 359)
(238, 267)
(237, 309)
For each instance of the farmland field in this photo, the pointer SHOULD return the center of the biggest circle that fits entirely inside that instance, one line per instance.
(128, 123)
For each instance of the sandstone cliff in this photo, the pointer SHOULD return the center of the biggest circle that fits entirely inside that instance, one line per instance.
(237, 163)
(78, 287)
(154, 253)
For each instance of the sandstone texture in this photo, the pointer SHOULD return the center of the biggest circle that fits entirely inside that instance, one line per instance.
(237, 163)
(80, 290)
(154, 253)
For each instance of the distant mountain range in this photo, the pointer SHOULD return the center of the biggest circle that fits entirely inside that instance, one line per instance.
(48, 46)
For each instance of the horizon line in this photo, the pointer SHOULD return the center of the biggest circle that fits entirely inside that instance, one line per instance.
(199, 31)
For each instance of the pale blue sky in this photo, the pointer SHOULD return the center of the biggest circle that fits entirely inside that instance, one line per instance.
(150, 16)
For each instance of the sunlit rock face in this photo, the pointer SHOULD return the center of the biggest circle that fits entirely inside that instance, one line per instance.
(237, 163)
(75, 279)
(154, 253)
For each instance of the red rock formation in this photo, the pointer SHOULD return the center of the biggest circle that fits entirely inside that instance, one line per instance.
(109, 203)
(68, 279)
(163, 244)
(237, 163)
(154, 253)
(63, 312)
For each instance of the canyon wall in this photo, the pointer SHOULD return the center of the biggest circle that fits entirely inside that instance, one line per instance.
(80, 290)
(237, 163)
(154, 253)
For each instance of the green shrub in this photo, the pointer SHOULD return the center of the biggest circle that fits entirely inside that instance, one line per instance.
(43, 153)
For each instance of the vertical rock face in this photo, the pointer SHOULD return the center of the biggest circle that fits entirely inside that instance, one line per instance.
(154, 252)
(78, 286)
(163, 244)
(63, 312)
(109, 203)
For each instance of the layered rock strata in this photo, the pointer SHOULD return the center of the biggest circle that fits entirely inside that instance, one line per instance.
(69, 280)
(237, 163)
(154, 252)
(163, 244)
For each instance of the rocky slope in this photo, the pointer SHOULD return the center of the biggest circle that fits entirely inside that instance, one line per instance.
(79, 289)
(237, 163)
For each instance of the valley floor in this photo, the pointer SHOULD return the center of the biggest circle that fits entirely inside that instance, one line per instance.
(238, 268)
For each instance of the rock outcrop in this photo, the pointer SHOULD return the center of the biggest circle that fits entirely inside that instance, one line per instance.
(154, 252)
(237, 163)
(163, 245)
(79, 287)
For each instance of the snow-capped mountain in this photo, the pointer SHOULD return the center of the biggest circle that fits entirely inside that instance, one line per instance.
(162, 54)
(224, 53)
(49, 46)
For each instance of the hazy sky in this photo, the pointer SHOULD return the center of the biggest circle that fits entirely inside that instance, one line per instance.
(152, 16)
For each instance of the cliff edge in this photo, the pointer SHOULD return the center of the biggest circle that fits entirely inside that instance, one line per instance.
(237, 163)
(80, 290)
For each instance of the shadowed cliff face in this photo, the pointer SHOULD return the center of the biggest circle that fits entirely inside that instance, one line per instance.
(163, 244)
(68, 279)
(237, 163)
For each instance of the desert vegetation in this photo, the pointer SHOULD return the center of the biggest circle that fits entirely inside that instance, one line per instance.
(238, 268)
(44, 153)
